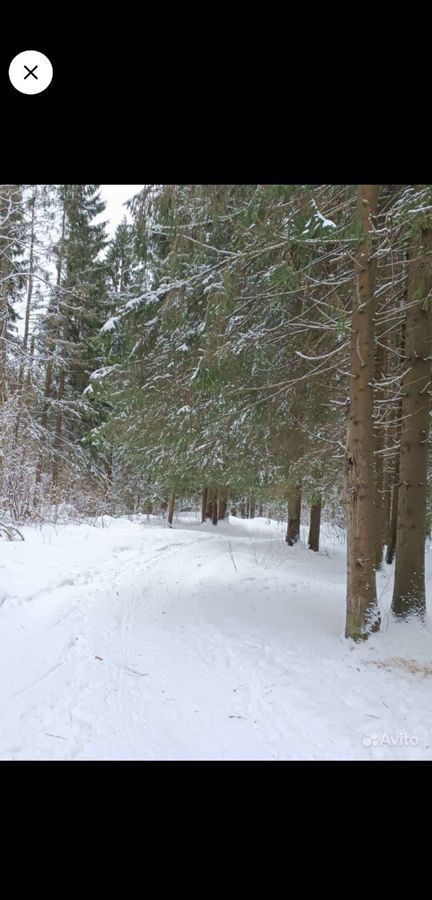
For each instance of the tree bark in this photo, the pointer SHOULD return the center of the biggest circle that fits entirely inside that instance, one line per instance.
(209, 510)
(379, 435)
(58, 431)
(362, 612)
(294, 513)
(214, 515)
(394, 489)
(171, 507)
(222, 503)
(5, 201)
(314, 528)
(27, 316)
(204, 496)
(3, 345)
(392, 535)
(409, 584)
(391, 545)
(31, 273)
(51, 349)
(387, 504)
(28, 306)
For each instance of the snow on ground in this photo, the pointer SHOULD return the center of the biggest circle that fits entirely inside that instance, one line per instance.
(134, 641)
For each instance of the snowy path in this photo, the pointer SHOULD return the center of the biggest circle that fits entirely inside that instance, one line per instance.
(133, 641)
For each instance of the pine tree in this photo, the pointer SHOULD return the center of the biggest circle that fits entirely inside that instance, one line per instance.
(409, 586)
(362, 614)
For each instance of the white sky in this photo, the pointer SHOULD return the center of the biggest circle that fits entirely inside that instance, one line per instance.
(115, 195)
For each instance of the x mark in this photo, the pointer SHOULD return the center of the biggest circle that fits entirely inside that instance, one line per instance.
(30, 72)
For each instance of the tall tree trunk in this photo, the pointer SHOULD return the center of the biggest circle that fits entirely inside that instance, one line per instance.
(51, 349)
(58, 430)
(204, 496)
(10, 197)
(294, 514)
(29, 287)
(3, 297)
(391, 541)
(210, 502)
(379, 435)
(387, 504)
(391, 545)
(252, 508)
(171, 506)
(409, 584)
(261, 510)
(3, 344)
(26, 318)
(44, 418)
(394, 488)
(314, 528)
(362, 612)
(222, 503)
(215, 508)
(30, 363)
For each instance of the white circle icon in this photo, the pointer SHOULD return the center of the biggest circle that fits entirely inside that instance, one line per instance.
(30, 72)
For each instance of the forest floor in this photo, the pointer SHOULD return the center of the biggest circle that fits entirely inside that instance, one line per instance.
(134, 641)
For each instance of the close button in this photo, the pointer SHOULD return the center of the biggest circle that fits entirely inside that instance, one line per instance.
(30, 72)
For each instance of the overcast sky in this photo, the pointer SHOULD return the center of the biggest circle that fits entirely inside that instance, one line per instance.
(115, 195)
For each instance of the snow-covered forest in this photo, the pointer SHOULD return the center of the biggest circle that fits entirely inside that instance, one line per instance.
(215, 507)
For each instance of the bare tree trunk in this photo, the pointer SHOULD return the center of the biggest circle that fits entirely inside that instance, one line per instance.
(391, 546)
(252, 508)
(222, 503)
(394, 486)
(44, 417)
(392, 535)
(51, 349)
(294, 514)
(26, 319)
(314, 528)
(30, 363)
(362, 612)
(171, 507)
(387, 504)
(204, 496)
(209, 503)
(10, 195)
(409, 584)
(58, 430)
(215, 508)
(379, 435)
(3, 345)
(261, 510)
(209, 510)
(5, 196)
(31, 273)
